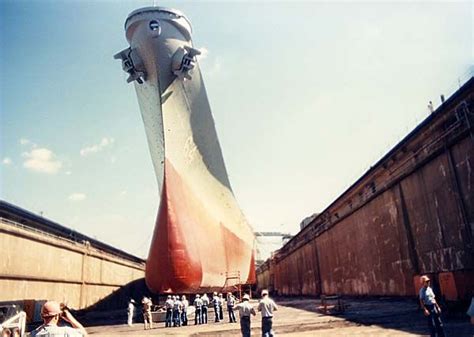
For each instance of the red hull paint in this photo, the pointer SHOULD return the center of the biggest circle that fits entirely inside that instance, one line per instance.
(186, 239)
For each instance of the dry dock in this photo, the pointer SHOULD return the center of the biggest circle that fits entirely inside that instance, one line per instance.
(45, 260)
(299, 317)
(411, 213)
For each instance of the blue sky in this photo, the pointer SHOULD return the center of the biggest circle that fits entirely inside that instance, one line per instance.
(305, 96)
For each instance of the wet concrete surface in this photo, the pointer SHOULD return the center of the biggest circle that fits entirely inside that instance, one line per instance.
(301, 317)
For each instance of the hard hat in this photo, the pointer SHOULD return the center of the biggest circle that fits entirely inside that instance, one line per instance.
(183, 297)
(215, 293)
(132, 300)
(169, 297)
(264, 292)
(50, 308)
(246, 297)
(197, 296)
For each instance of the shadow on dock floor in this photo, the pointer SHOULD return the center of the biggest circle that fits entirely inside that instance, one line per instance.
(381, 317)
(402, 314)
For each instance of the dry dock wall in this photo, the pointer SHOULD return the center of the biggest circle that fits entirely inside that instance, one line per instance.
(412, 213)
(38, 265)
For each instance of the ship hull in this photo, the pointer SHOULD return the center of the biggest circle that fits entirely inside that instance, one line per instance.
(201, 240)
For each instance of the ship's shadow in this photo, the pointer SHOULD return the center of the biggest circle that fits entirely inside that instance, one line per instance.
(401, 314)
(112, 309)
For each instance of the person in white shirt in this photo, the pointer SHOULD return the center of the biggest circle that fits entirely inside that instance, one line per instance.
(205, 304)
(198, 308)
(184, 310)
(245, 310)
(146, 309)
(430, 307)
(130, 310)
(266, 306)
(177, 308)
(221, 307)
(169, 304)
(51, 313)
(215, 304)
(230, 307)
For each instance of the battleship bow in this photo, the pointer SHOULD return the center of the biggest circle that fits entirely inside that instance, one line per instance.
(202, 240)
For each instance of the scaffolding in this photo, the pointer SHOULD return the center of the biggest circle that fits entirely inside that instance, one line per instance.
(233, 286)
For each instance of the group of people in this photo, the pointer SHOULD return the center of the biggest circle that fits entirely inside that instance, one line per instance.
(201, 305)
(58, 320)
(266, 306)
(176, 311)
(218, 303)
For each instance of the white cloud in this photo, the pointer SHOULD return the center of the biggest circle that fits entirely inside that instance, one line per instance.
(6, 161)
(123, 193)
(68, 173)
(42, 160)
(105, 142)
(77, 197)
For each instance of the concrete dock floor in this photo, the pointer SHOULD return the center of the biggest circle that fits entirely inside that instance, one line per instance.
(300, 317)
